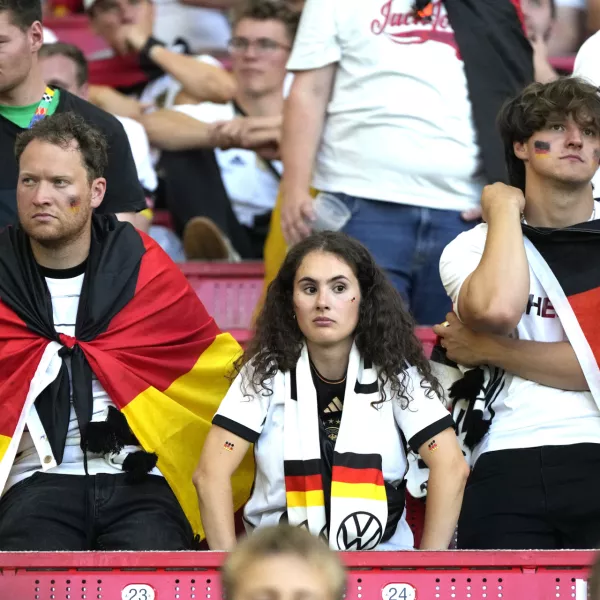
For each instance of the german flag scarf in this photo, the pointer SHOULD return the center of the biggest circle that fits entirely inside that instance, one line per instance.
(564, 262)
(354, 514)
(140, 329)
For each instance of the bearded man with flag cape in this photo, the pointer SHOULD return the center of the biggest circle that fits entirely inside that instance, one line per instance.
(524, 334)
(141, 345)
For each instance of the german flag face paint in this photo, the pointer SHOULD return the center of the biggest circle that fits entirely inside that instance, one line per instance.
(541, 148)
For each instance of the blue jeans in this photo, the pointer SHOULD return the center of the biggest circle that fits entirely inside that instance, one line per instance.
(407, 242)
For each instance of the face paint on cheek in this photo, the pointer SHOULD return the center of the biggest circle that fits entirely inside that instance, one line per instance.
(74, 204)
(541, 148)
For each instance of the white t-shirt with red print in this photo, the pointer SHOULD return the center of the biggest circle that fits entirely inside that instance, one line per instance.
(399, 125)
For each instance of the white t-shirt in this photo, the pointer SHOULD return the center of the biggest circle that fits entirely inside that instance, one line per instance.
(140, 148)
(259, 419)
(399, 124)
(65, 301)
(580, 4)
(587, 66)
(529, 414)
(204, 29)
(250, 184)
(49, 36)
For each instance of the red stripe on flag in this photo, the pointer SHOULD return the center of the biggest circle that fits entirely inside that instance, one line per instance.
(350, 475)
(307, 483)
(585, 306)
(519, 9)
(159, 335)
(22, 350)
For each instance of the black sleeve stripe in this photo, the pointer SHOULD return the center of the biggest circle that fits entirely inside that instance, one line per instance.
(366, 388)
(417, 440)
(240, 430)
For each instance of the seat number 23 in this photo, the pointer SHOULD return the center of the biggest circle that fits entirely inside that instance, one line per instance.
(138, 591)
(399, 591)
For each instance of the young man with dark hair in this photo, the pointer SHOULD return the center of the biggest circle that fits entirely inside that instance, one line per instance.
(24, 99)
(232, 214)
(145, 69)
(519, 283)
(110, 367)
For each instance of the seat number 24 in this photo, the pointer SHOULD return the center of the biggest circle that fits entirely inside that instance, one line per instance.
(399, 591)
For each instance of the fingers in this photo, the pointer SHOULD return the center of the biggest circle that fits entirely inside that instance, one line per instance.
(472, 214)
(295, 219)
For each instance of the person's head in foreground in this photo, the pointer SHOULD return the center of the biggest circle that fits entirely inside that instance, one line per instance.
(283, 563)
(21, 37)
(61, 165)
(64, 66)
(262, 37)
(551, 135)
(329, 294)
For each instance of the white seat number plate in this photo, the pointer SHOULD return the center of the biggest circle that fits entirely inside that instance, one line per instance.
(138, 591)
(399, 591)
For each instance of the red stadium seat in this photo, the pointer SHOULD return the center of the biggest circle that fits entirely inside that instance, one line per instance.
(75, 29)
(229, 291)
(372, 575)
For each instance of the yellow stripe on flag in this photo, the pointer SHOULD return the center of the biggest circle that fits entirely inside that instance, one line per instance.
(310, 498)
(174, 424)
(4, 443)
(369, 491)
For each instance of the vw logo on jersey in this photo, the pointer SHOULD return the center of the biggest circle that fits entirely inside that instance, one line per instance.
(359, 531)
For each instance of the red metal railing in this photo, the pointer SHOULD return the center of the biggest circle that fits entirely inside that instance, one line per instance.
(372, 576)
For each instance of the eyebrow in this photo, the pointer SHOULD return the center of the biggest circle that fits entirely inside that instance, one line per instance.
(311, 280)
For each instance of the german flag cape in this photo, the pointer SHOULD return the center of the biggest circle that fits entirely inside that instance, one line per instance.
(566, 263)
(140, 329)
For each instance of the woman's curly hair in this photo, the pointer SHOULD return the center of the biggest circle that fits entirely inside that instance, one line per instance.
(384, 334)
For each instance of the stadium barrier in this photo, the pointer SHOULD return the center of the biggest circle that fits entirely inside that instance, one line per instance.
(542, 575)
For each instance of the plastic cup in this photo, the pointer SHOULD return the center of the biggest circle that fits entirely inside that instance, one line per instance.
(331, 214)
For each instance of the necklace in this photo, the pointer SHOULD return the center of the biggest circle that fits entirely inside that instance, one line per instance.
(323, 378)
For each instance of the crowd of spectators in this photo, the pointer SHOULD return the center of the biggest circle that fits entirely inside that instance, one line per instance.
(448, 133)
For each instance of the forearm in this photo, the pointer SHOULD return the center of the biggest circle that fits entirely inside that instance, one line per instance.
(553, 364)
(172, 130)
(544, 72)
(215, 498)
(206, 83)
(494, 296)
(444, 499)
(304, 117)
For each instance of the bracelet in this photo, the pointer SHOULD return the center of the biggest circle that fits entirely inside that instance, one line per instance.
(145, 51)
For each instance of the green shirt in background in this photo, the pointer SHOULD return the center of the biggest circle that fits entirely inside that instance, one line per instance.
(21, 115)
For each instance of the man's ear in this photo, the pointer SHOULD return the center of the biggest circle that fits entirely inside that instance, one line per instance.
(521, 150)
(36, 36)
(98, 191)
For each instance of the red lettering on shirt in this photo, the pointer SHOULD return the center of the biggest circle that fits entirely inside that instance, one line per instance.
(438, 29)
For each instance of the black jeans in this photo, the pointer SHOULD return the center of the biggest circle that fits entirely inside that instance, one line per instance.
(542, 498)
(48, 512)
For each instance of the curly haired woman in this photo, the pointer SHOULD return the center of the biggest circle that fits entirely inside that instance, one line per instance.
(330, 391)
